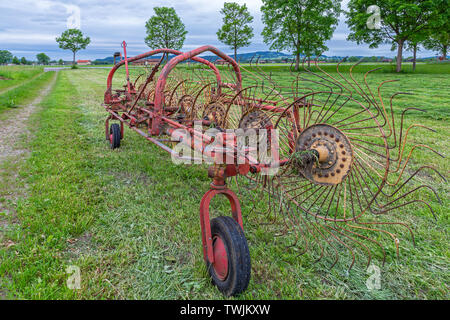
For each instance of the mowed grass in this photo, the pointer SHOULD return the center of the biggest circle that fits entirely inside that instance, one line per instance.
(129, 218)
(344, 67)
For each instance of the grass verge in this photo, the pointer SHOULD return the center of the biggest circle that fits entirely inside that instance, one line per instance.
(14, 75)
(24, 93)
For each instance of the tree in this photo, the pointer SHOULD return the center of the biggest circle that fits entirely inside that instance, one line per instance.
(165, 29)
(5, 56)
(438, 37)
(60, 62)
(42, 58)
(235, 30)
(15, 60)
(23, 61)
(73, 40)
(401, 21)
(439, 42)
(413, 45)
(299, 25)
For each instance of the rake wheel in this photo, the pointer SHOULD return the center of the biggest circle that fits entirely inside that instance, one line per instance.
(337, 170)
(215, 112)
(343, 180)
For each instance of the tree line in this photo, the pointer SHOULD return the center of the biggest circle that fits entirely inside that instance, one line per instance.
(304, 26)
(7, 57)
(301, 27)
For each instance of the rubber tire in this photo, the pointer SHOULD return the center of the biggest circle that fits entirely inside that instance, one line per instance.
(239, 265)
(114, 130)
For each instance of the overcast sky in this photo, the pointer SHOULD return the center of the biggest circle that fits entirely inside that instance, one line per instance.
(28, 27)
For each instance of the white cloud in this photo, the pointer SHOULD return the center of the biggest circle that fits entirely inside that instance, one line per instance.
(19, 37)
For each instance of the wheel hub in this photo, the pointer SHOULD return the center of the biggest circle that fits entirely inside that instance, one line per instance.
(220, 264)
(255, 120)
(335, 154)
(215, 113)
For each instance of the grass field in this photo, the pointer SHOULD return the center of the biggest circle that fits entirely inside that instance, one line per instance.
(23, 92)
(14, 75)
(129, 218)
(421, 68)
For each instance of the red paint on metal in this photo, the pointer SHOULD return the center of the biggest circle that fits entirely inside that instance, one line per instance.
(108, 98)
(161, 84)
(220, 264)
(124, 45)
(208, 250)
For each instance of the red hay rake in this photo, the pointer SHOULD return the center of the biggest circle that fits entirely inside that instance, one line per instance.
(335, 153)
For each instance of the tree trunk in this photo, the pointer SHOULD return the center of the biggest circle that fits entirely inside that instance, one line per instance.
(309, 62)
(399, 55)
(444, 52)
(414, 57)
(167, 55)
(73, 63)
(235, 54)
(297, 61)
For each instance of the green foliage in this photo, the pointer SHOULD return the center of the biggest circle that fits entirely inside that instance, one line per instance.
(73, 40)
(15, 60)
(5, 56)
(401, 21)
(23, 61)
(42, 58)
(438, 37)
(301, 26)
(165, 29)
(235, 30)
(439, 42)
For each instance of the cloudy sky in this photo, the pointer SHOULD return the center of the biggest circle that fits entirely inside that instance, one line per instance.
(28, 27)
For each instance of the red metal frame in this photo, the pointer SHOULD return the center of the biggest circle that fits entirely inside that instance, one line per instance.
(108, 93)
(159, 122)
(207, 240)
(159, 94)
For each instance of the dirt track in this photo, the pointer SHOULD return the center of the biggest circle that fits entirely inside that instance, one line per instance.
(13, 132)
(15, 125)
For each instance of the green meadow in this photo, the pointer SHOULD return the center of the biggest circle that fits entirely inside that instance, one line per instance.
(129, 218)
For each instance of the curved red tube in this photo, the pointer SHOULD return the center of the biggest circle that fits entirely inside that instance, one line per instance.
(151, 53)
(160, 85)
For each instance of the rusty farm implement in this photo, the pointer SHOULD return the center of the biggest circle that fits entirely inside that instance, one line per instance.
(328, 155)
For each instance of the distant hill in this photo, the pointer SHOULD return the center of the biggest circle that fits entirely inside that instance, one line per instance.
(268, 56)
(262, 55)
(243, 57)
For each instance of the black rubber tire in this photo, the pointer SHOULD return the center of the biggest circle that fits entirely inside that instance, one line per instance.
(114, 130)
(239, 265)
